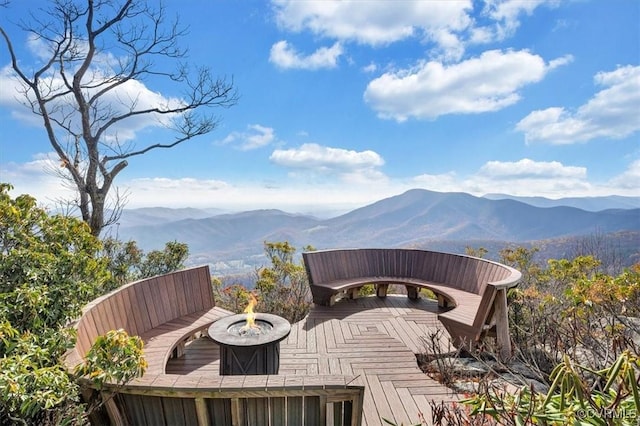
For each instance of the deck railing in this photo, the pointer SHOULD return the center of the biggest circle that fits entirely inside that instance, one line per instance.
(238, 400)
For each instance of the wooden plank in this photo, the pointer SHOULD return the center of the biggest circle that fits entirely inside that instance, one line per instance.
(502, 324)
(102, 319)
(151, 297)
(191, 297)
(468, 280)
(181, 298)
(140, 316)
(154, 301)
(423, 405)
(410, 407)
(399, 332)
(330, 342)
(201, 288)
(337, 332)
(172, 296)
(292, 339)
(207, 286)
(115, 321)
(345, 366)
(168, 307)
(378, 394)
(311, 343)
(483, 275)
(334, 366)
(119, 311)
(302, 340)
(141, 306)
(86, 333)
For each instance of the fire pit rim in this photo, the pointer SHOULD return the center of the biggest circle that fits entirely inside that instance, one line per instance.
(218, 331)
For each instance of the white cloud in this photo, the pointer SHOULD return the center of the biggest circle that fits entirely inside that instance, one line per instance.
(39, 178)
(445, 182)
(379, 23)
(376, 23)
(447, 26)
(530, 169)
(350, 166)
(318, 157)
(505, 15)
(486, 83)
(524, 177)
(285, 56)
(255, 137)
(372, 67)
(612, 113)
(629, 179)
(561, 61)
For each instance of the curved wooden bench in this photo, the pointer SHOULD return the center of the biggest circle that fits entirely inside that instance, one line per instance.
(474, 288)
(164, 311)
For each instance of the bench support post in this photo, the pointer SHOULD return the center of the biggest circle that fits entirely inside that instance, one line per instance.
(381, 290)
(413, 292)
(201, 412)
(113, 411)
(502, 324)
(236, 412)
(353, 292)
(442, 301)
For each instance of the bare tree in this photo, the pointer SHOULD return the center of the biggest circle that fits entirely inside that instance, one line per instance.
(606, 248)
(88, 90)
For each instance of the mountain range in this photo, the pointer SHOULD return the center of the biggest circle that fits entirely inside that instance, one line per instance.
(233, 242)
(592, 204)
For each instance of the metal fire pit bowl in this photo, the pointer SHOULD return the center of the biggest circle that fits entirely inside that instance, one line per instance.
(249, 354)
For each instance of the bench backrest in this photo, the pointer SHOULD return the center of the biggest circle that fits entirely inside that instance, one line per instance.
(466, 273)
(143, 305)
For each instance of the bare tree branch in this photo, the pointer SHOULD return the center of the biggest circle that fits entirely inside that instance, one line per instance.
(98, 52)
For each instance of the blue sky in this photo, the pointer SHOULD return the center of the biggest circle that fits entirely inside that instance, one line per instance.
(343, 103)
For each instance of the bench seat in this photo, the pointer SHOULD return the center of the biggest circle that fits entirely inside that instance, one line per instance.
(452, 296)
(448, 297)
(167, 340)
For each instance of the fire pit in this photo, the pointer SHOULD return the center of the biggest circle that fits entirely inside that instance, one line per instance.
(249, 342)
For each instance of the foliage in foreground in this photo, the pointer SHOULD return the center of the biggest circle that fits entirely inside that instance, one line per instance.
(50, 268)
(578, 329)
(578, 395)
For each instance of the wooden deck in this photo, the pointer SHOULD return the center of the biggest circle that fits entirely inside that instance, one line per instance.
(375, 339)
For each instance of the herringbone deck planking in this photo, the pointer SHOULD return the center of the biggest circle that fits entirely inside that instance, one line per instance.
(376, 339)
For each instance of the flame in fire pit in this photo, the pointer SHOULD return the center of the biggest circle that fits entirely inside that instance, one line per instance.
(251, 316)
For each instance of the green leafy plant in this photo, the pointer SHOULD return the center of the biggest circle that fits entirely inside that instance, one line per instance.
(612, 398)
(127, 262)
(115, 358)
(50, 267)
(33, 389)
